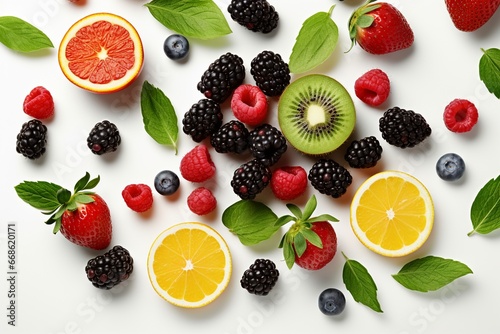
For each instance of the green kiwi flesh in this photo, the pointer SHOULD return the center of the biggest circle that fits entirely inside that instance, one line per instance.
(316, 114)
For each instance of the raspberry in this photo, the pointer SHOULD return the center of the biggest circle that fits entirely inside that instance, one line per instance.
(39, 103)
(249, 104)
(197, 165)
(460, 115)
(138, 197)
(289, 182)
(373, 87)
(201, 201)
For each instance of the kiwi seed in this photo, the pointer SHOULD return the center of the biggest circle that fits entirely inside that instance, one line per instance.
(316, 114)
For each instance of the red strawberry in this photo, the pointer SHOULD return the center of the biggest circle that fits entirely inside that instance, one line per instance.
(82, 217)
(380, 28)
(311, 242)
(470, 15)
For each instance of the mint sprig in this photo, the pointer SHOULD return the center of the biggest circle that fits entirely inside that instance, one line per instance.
(430, 273)
(19, 35)
(53, 200)
(158, 115)
(489, 70)
(485, 209)
(360, 284)
(252, 221)
(294, 241)
(201, 19)
(315, 42)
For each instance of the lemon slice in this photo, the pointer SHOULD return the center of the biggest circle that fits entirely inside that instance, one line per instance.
(392, 213)
(189, 264)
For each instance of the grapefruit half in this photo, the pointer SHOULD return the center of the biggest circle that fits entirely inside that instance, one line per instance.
(102, 53)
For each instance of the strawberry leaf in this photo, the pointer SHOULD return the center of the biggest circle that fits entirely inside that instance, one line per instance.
(57, 226)
(295, 210)
(283, 220)
(63, 195)
(299, 242)
(309, 208)
(312, 237)
(80, 184)
(83, 199)
(92, 183)
(489, 70)
(323, 217)
(288, 253)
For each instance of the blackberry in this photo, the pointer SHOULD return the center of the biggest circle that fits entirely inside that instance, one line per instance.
(329, 178)
(250, 179)
(103, 138)
(403, 128)
(270, 72)
(202, 120)
(363, 153)
(222, 77)
(232, 137)
(267, 144)
(107, 270)
(255, 15)
(260, 277)
(32, 139)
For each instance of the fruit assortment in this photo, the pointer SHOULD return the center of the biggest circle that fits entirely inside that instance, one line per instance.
(316, 116)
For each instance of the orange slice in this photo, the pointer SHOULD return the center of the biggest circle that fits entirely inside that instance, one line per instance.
(101, 53)
(392, 213)
(189, 264)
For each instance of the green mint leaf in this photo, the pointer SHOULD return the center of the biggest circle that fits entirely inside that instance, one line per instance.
(360, 284)
(201, 19)
(251, 221)
(39, 194)
(430, 273)
(309, 208)
(489, 70)
(158, 114)
(295, 210)
(315, 42)
(485, 209)
(312, 237)
(289, 254)
(283, 220)
(80, 184)
(299, 242)
(21, 36)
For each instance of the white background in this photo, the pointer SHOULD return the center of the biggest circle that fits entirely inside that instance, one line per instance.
(54, 295)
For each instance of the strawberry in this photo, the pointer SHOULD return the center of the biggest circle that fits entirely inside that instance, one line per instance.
(82, 217)
(470, 15)
(311, 242)
(380, 28)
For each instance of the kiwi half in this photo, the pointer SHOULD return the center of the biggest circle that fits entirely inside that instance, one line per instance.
(316, 114)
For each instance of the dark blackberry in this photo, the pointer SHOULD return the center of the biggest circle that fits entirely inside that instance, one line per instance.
(403, 128)
(260, 277)
(255, 15)
(270, 72)
(363, 153)
(107, 270)
(222, 77)
(202, 120)
(329, 178)
(232, 137)
(103, 138)
(250, 179)
(32, 139)
(267, 144)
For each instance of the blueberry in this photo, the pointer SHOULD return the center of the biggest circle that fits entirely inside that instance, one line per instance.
(450, 167)
(166, 182)
(331, 301)
(176, 47)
